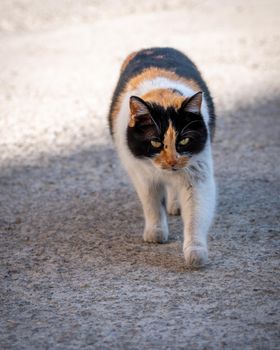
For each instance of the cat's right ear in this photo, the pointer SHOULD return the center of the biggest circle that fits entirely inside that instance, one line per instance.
(139, 112)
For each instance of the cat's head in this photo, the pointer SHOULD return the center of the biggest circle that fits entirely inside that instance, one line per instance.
(168, 133)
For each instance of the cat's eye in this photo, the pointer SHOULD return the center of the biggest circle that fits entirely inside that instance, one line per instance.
(184, 141)
(156, 144)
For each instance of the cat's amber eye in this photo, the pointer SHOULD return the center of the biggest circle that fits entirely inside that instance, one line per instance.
(184, 141)
(156, 144)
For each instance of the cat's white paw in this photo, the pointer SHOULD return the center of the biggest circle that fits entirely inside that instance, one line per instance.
(155, 235)
(173, 208)
(196, 255)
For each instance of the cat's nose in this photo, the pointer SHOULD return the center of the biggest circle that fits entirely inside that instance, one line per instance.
(172, 162)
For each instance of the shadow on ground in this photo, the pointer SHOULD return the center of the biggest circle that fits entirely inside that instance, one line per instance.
(72, 252)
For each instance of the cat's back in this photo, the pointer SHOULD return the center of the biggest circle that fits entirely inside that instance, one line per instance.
(152, 63)
(161, 58)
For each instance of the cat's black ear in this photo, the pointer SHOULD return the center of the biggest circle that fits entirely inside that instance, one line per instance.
(193, 104)
(139, 112)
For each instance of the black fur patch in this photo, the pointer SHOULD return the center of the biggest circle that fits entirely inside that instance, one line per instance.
(186, 124)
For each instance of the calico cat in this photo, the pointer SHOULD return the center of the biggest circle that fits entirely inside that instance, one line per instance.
(162, 121)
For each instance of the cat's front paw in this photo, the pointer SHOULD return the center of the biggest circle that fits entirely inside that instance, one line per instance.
(196, 256)
(155, 235)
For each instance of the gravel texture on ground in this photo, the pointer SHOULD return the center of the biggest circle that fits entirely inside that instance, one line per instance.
(74, 271)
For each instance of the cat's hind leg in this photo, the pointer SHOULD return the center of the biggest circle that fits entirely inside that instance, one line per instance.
(172, 203)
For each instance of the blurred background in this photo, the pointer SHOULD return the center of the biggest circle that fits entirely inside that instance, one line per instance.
(74, 271)
(60, 61)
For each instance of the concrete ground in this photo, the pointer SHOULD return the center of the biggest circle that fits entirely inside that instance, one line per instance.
(75, 273)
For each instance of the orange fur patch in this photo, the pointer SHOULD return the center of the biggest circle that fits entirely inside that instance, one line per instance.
(168, 157)
(164, 98)
(153, 72)
(169, 143)
(150, 74)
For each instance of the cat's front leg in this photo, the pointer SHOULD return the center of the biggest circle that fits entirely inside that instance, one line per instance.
(197, 206)
(151, 196)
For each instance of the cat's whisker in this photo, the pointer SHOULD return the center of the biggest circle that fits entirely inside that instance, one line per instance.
(193, 121)
(190, 132)
(157, 127)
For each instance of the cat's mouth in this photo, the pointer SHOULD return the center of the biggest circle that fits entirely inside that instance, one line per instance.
(171, 168)
(179, 166)
(178, 163)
